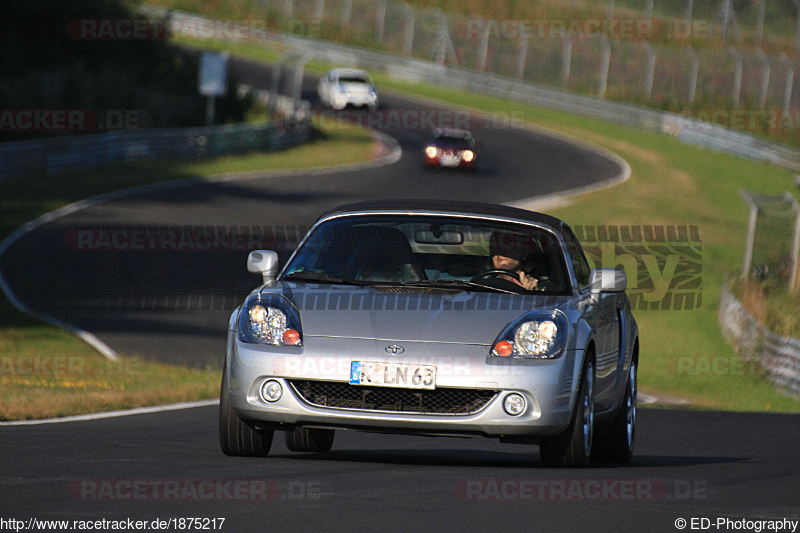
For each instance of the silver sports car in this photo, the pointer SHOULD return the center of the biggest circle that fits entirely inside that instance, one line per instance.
(434, 318)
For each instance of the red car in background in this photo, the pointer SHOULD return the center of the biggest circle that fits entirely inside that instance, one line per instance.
(451, 148)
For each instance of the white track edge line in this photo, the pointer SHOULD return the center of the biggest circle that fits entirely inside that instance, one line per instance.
(113, 414)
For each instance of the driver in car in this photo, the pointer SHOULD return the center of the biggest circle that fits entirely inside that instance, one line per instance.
(507, 252)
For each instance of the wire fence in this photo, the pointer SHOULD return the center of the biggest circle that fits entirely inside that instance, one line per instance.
(640, 58)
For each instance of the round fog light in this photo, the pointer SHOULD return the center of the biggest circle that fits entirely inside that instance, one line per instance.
(271, 391)
(514, 404)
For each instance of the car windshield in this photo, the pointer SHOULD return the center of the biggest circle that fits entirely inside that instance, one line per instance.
(353, 79)
(418, 250)
(460, 142)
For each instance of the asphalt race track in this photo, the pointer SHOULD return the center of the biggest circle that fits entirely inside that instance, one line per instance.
(688, 464)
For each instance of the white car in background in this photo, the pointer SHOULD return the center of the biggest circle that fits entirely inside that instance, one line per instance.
(340, 87)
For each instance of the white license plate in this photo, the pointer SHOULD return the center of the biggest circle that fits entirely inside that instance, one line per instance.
(449, 160)
(398, 375)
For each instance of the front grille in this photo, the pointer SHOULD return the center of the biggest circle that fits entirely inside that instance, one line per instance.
(439, 401)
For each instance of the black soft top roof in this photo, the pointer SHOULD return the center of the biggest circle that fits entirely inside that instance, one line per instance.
(471, 208)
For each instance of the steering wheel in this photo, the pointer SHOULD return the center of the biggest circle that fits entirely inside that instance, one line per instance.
(494, 272)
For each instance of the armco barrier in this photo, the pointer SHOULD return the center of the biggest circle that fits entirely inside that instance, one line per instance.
(51, 156)
(407, 68)
(779, 356)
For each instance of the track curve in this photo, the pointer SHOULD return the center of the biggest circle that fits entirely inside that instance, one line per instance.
(688, 464)
(173, 305)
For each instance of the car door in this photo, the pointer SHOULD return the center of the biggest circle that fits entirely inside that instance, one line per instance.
(602, 314)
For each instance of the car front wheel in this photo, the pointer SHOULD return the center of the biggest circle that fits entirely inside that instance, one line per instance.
(573, 448)
(236, 438)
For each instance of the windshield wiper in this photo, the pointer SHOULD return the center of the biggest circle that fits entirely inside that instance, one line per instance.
(453, 283)
(320, 277)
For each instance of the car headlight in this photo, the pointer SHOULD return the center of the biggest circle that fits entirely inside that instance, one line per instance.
(537, 334)
(467, 155)
(431, 151)
(270, 319)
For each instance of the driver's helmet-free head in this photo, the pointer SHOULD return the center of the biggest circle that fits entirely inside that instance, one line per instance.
(511, 245)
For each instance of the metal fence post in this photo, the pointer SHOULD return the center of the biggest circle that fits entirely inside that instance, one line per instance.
(275, 82)
(695, 71)
(610, 9)
(797, 27)
(522, 57)
(380, 20)
(737, 76)
(298, 78)
(651, 70)
(604, 66)
(483, 50)
(762, 6)
(794, 282)
(688, 15)
(566, 61)
(347, 10)
(408, 38)
(751, 231)
(787, 94)
(764, 78)
(319, 10)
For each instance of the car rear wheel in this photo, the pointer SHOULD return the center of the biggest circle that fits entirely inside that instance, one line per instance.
(310, 440)
(573, 448)
(615, 443)
(237, 438)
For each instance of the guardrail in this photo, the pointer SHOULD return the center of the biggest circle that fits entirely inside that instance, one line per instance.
(778, 356)
(688, 130)
(51, 156)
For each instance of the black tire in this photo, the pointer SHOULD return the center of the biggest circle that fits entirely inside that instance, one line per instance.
(236, 438)
(310, 440)
(573, 448)
(615, 443)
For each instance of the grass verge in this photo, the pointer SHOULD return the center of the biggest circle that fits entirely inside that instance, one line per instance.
(682, 352)
(47, 372)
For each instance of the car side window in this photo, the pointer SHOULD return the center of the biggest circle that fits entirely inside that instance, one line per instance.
(579, 263)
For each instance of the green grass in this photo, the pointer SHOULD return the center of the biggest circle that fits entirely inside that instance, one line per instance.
(48, 372)
(671, 184)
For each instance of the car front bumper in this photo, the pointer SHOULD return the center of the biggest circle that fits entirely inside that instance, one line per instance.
(547, 385)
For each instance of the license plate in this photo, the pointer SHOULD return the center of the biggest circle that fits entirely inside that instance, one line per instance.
(398, 375)
(449, 160)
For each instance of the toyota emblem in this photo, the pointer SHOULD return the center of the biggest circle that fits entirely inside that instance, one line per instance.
(395, 349)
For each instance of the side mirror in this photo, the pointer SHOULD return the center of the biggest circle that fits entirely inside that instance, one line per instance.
(607, 280)
(264, 262)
